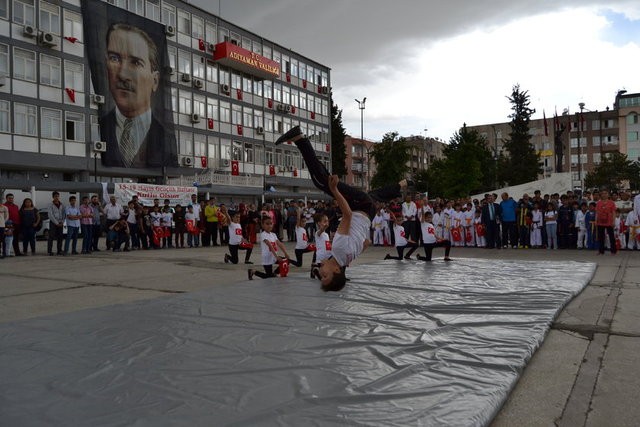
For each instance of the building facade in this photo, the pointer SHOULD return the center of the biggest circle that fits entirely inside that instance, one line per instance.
(230, 94)
(359, 162)
(423, 151)
(577, 142)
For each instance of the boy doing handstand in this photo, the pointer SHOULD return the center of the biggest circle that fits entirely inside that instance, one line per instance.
(357, 207)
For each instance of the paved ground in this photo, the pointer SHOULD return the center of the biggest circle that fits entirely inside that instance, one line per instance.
(585, 374)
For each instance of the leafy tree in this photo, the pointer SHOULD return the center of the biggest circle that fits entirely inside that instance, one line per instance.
(612, 171)
(468, 167)
(391, 156)
(338, 134)
(522, 164)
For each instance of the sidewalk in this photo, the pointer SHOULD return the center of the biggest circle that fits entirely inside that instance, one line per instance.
(586, 372)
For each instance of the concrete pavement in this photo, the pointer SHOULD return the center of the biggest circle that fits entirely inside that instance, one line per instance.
(585, 373)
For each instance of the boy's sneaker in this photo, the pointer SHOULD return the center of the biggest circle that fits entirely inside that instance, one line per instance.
(248, 262)
(289, 135)
(250, 274)
(226, 258)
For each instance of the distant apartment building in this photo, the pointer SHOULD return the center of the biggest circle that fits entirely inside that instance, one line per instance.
(359, 162)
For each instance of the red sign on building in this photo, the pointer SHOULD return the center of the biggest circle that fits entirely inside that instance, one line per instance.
(238, 58)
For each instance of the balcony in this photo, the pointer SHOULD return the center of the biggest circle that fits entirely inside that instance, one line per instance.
(359, 168)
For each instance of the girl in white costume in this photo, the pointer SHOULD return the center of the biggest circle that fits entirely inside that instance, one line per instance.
(536, 227)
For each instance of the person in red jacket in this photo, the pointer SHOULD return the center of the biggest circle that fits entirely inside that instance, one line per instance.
(605, 220)
(14, 215)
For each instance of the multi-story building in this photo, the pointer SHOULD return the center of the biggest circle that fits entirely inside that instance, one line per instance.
(359, 162)
(423, 151)
(576, 142)
(230, 94)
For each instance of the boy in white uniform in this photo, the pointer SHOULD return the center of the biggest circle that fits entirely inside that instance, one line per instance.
(302, 240)
(430, 240)
(269, 245)
(581, 226)
(633, 223)
(536, 227)
(378, 229)
(357, 207)
(237, 242)
(403, 241)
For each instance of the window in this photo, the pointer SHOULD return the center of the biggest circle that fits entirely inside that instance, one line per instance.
(224, 77)
(632, 136)
(186, 143)
(200, 145)
(246, 43)
(268, 89)
(74, 75)
(51, 123)
(223, 34)
(632, 119)
(50, 71)
(246, 84)
(236, 151)
(184, 23)
(303, 100)
(286, 95)
(4, 59)
(212, 109)
(24, 12)
(267, 52)
(268, 122)
(153, 10)
(95, 128)
(172, 52)
(24, 64)
(277, 92)
(25, 119)
(236, 114)
(302, 71)
(119, 3)
(184, 62)
(49, 18)
(184, 102)
(258, 119)
(212, 73)
(74, 127)
(137, 7)
(168, 14)
(247, 117)
(210, 32)
(259, 155)
(199, 105)
(596, 158)
(257, 88)
(248, 153)
(4, 9)
(198, 67)
(225, 112)
(294, 98)
(595, 140)
(72, 25)
(236, 81)
(268, 156)
(5, 116)
(197, 27)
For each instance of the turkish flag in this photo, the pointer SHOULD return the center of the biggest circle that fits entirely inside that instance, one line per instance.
(201, 45)
(272, 170)
(210, 123)
(328, 147)
(270, 103)
(313, 115)
(235, 167)
(203, 162)
(71, 39)
(72, 94)
(295, 172)
(288, 78)
(293, 109)
(319, 89)
(239, 94)
(304, 83)
(239, 129)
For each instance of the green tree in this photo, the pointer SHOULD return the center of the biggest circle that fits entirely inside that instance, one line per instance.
(614, 169)
(338, 134)
(522, 162)
(468, 167)
(391, 156)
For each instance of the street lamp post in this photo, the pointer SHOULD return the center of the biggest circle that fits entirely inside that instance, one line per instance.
(581, 105)
(361, 107)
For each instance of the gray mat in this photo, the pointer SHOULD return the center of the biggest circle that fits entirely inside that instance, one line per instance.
(405, 343)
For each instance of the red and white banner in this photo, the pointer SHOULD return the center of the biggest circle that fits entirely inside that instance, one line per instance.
(235, 167)
(124, 192)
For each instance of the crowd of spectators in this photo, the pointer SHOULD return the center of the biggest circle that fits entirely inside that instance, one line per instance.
(555, 221)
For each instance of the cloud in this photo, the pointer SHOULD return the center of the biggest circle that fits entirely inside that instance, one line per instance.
(432, 64)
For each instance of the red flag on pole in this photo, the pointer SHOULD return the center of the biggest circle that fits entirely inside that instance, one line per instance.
(546, 127)
(235, 167)
(203, 162)
(272, 170)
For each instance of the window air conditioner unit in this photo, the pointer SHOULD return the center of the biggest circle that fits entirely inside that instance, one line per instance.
(281, 107)
(186, 78)
(187, 161)
(170, 71)
(47, 39)
(97, 99)
(195, 118)
(290, 168)
(198, 84)
(170, 30)
(325, 90)
(224, 88)
(99, 146)
(225, 163)
(287, 108)
(29, 31)
(260, 130)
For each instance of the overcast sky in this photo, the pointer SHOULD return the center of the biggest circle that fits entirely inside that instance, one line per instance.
(434, 64)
